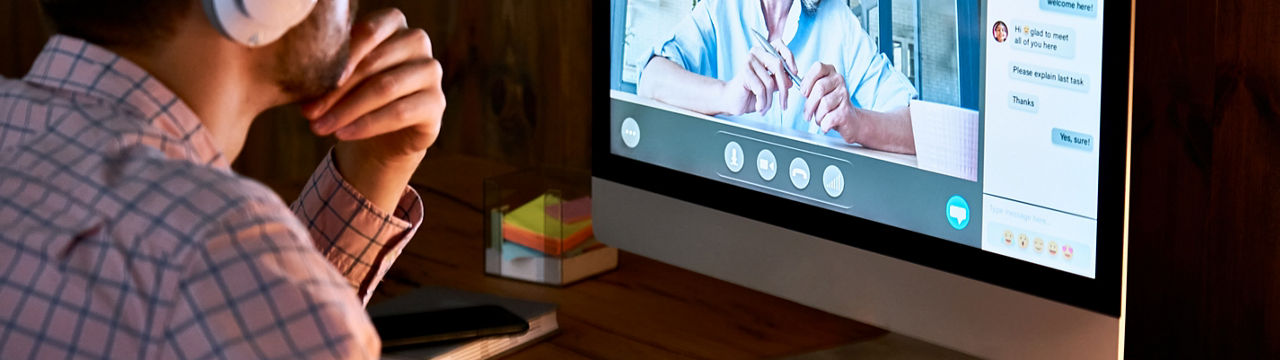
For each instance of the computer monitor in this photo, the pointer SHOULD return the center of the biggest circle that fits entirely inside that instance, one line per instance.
(951, 170)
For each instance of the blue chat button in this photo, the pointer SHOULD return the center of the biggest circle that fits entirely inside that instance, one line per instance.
(958, 212)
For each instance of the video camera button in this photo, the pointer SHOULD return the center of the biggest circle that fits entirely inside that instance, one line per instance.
(767, 165)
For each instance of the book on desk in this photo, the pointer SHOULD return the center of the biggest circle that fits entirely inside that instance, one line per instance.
(541, 318)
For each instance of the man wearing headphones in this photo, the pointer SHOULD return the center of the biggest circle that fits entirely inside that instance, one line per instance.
(124, 233)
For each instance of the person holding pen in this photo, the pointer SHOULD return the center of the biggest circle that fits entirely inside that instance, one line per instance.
(803, 65)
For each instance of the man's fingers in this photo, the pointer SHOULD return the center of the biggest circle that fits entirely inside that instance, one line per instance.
(828, 106)
(407, 112)
(779, 77)
(755, 90)
(367, 34)
(762, 72)
(784, 85)
(809, 77)
(824, 86)
(816, 72)
(402, 47)
(821, 107)
(814, 97)
(370, 31)
(819, 89)
(786, 56)
(760, 75)
(828, 122)
(774, 75)
(377, 91)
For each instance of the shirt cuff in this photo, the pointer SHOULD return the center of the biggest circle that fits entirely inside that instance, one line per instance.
(360, 240)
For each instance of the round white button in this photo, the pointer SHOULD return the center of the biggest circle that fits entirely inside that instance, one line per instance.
(733, 156)
(833, 181)
(766, 165)
(799, 173)
(630, 133)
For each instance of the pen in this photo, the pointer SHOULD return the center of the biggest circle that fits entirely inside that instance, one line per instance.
(795, 80)
(764, 43)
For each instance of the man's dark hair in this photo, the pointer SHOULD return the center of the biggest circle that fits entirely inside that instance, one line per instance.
(126, 23)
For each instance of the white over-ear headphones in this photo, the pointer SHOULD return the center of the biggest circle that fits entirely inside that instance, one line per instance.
(256, 22)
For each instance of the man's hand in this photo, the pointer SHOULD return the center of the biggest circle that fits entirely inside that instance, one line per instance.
(827, 102)
(752, 88)
(387, 109)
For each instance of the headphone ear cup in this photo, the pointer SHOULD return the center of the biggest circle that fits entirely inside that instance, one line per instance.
(256, 23)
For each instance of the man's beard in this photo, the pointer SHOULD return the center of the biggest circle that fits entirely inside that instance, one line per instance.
(307, 66)
(304, 74)
(810, 6)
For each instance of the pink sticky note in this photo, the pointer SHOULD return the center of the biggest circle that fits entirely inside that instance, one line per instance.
(571, 211)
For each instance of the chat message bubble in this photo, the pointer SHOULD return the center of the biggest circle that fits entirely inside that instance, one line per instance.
(1072, 139)
(1043, 39)
(1085, 8)
(1025, 102)
(1047, 76)
(958, 213)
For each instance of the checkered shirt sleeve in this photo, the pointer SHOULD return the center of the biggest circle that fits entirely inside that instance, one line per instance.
(360, 240)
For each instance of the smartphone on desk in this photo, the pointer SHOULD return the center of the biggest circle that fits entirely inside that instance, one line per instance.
(447, 325)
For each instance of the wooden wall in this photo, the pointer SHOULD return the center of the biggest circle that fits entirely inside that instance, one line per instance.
(1204, 244)
(21, 36)
(1204, 269)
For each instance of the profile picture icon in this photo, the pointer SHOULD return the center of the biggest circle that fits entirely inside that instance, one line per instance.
(1000, 31)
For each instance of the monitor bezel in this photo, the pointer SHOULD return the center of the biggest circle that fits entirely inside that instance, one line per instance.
(1101, 294)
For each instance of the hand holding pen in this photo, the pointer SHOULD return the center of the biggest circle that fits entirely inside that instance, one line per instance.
(776, 49)
(769, 68)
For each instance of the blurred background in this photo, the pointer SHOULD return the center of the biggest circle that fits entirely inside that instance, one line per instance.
(517, 76)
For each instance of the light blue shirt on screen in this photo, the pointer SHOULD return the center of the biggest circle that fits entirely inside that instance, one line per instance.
(715, 41)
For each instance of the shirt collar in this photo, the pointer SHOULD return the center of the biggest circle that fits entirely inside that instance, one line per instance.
(73, 65)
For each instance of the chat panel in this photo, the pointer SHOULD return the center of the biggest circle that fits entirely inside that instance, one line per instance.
(1041, 116)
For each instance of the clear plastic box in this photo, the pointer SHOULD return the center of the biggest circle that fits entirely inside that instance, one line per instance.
(538, 227)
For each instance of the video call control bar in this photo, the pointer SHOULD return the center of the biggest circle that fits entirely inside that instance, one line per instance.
(804, 174)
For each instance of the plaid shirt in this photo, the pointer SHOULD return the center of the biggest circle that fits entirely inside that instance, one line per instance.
(124, 233)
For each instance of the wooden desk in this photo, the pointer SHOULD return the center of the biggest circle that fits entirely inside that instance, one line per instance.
(644, 309)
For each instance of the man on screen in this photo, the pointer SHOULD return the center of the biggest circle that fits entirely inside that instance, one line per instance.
(711, 64)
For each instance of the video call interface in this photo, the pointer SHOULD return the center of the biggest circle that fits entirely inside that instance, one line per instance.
(971, 121)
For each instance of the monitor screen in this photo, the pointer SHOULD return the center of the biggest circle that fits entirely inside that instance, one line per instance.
(977, 122)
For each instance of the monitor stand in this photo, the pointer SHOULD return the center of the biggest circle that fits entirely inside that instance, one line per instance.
(955, 312)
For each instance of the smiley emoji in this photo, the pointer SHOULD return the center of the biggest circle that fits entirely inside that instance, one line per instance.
(1008, 237)
(1053, 247)
(1068, 252)
(1022, 241)
(1039, 244)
